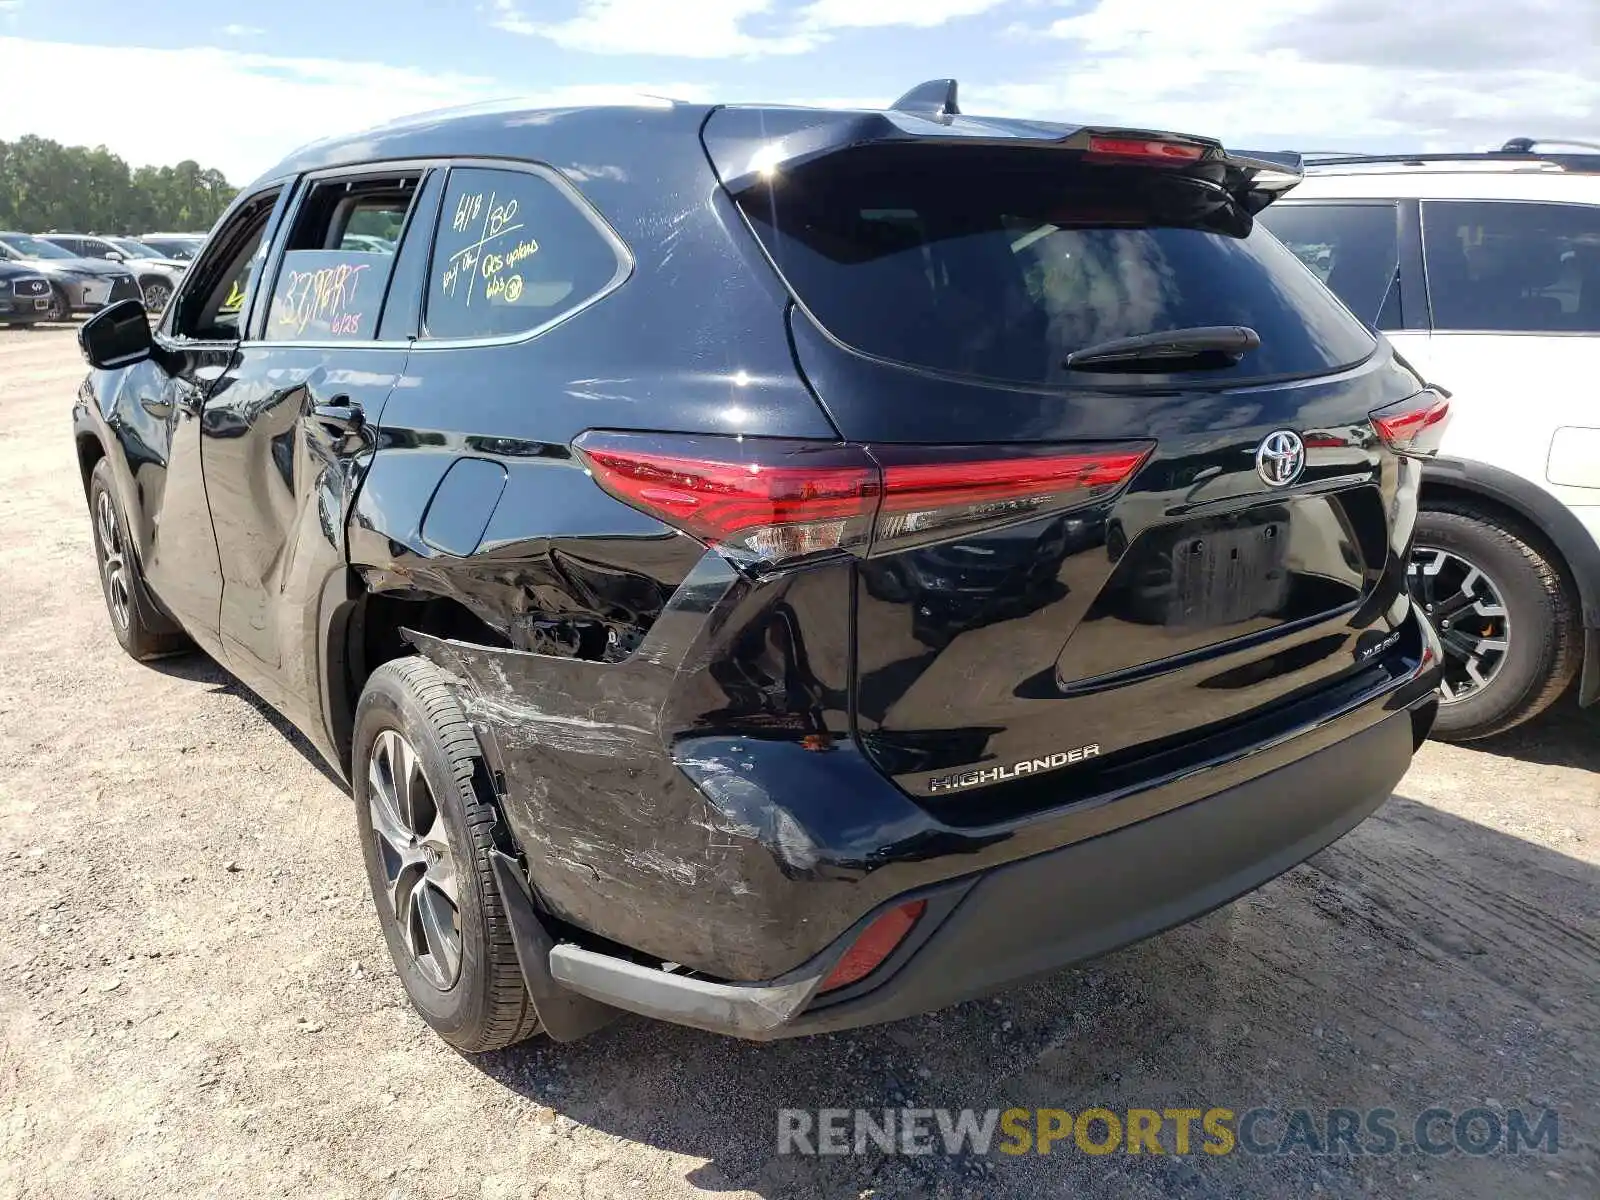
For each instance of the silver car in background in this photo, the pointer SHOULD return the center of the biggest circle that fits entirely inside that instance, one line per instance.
(181, 246)
(158, 274)
(76, 284)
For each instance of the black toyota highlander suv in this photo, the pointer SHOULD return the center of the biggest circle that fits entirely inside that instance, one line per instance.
(777, 569)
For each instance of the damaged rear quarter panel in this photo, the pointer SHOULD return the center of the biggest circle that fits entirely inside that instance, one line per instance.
(618, 839)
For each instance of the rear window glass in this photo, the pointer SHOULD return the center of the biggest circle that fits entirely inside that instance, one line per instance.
(1513, 267)
(1001, 264)
(1353, 248)
(328, 294)
(514, 252)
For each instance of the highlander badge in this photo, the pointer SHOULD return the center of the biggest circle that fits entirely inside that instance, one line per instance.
(1030, 766)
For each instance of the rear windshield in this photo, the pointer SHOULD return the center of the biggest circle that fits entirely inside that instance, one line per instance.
(1000, 264)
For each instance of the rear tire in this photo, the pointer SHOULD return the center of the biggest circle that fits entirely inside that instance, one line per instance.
(427, 822)
(138, 630)
(1495, 690)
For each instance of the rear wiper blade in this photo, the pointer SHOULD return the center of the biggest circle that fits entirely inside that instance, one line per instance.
(1225, 343)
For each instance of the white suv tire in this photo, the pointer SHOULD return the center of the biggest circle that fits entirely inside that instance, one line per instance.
(1541, 631)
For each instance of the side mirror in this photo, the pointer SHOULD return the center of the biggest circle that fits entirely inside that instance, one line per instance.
(115, 255)
(116, 336)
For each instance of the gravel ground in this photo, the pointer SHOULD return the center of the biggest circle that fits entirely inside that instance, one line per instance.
(195, 998)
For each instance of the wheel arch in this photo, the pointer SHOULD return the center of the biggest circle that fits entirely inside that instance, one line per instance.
(362, 628)
(90, 450)
(1494, 492)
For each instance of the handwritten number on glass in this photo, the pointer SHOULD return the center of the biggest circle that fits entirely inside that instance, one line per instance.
(325, 294)
(498, 221)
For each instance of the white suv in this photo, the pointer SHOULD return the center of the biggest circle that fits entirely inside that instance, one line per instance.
(1484, 271)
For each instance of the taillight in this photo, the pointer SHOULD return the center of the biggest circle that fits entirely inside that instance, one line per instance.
(1414, 426)
(931, 493)
(766, 501)
(760, 500)
(877, 941)
(1148, 150)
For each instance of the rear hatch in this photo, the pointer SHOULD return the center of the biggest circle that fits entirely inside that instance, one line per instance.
(1235, 565)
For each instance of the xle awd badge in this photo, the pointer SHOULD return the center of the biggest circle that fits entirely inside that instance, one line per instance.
(1280, 458)
(1030, 766)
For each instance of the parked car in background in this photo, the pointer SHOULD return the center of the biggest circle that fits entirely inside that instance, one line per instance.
(158, 275)
(180, 246)
(76, 284)
(24, 295)
(367, 241)
(869, 611)
(1484, 271)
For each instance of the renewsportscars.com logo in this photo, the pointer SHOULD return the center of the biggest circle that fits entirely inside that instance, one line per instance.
(1352, 1132)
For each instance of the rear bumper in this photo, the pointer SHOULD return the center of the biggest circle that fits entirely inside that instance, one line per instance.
(988, 931)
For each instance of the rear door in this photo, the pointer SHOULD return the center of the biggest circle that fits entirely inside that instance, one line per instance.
(1515, 293)
(1241, 572)
(287, 427)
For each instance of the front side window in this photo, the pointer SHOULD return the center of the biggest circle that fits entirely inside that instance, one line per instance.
(217, 287)
(1000, 264)
(1511, 267)
(332, 282)
(514, 251)
(1353, 248)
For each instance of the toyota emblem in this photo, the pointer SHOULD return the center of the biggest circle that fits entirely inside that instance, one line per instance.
(1280, 458)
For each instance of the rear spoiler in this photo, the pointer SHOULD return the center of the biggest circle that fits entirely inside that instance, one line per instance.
(749, 145)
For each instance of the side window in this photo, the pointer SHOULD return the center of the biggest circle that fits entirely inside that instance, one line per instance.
(216, 287)
(338, 258)
(1353, 248)
(514, 251)
(1513, 267)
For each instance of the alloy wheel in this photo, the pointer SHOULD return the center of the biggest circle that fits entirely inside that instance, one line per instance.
(1468, 611)
(156, 296)
(59, 309)
(419, 871)
(113, 561)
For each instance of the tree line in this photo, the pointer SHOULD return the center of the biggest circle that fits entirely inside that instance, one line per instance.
(45, 185)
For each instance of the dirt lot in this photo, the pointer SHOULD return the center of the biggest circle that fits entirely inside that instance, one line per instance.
(195, 999)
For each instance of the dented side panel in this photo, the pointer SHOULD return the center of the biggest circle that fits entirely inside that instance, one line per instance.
(560, 568)
(618, 839)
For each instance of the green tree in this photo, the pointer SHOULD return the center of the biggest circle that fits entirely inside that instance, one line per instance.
(45, 185)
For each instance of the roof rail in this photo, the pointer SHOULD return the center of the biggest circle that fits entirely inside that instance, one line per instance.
(1522, 145)
(1584, 163)
(936, 98)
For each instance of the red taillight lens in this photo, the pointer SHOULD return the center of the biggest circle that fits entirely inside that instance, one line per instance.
(1415, 425)
(877, 941)
(1149, 150)
(767, 501)
(932, 493)
(762, 499)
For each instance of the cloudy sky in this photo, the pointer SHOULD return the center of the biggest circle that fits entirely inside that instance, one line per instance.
(237, 85)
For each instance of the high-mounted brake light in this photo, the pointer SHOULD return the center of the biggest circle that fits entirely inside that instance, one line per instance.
(766, 501)
(1414, 426)
(1148, 150)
